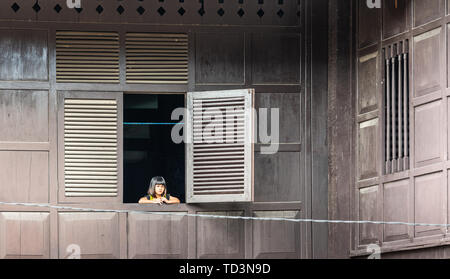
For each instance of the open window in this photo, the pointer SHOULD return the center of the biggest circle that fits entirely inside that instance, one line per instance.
(148, 148)
(110, 139)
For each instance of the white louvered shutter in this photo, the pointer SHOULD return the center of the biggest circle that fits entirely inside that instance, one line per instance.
(87, 57)
(157, 58)
(219, 133)
(92, 142)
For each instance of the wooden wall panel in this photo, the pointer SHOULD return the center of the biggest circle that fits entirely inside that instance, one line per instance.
(430, 203)
(24, 116)
(157, 236)
(367, 83)
(24, 235)
(289, 113)
(396, 208)
(97, 234)
(220, 238)
(427, 10)
(395, 19)
(427, 61)
(448, 55)
(428, 133)
(276, 239)
(367, 149)
(368, 27)
(275, 58)
(24, 176)
(23, 54)
(368, 211)
(277, 177)
(220, 58)
(49, 12)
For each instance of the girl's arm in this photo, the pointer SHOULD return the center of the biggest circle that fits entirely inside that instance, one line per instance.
(172, 200)
(144, 200)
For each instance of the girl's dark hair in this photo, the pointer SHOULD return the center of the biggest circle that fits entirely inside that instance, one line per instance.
(157, 180)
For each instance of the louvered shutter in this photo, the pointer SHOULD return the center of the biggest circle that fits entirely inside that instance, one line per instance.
(219, 131)
(91, 144)
(158, 58)
(87, 57)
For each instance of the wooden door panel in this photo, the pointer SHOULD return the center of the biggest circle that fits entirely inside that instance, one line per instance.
(429, 203)
(24, 235)
(428, 133)
(276, 239)
(395, 18)
(367, 83)
(396, 209)
(23, 54)
(427, 10)
(427, 60)
(220, 238)
(24, 176)
(368, 211)
(97, 234)
(369, 28)
(220, 58)
(24, 116)
(157, 236)
(367, 149)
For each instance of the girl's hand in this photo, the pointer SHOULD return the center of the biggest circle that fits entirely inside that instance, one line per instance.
(163, 199)
(159, 201)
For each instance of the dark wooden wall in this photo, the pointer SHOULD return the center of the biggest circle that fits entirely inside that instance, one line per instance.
(282, 57)
(357, 37)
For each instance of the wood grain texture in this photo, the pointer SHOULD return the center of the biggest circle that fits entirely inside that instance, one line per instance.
(275, 58)
(276, 239)
(24, 116)
(220, 58)
(220, 238)
(24, 176)
(156, 236)
(24, 235)
(429, 203)
(97, 234)
(23, 55)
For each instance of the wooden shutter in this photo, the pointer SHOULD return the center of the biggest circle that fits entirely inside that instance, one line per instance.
(91, 141)
(220, 161)
(158, 58)
(87, 57)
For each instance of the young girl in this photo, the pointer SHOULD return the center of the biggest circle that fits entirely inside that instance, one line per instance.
(157, 193)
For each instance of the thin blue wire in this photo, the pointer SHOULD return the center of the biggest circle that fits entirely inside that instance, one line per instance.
(150, 123)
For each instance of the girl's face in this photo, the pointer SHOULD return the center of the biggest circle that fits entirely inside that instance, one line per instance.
(159, 189)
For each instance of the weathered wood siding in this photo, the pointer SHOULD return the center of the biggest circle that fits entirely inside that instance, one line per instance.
(269, 52)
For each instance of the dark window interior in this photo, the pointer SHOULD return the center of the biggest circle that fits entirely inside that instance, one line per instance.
(148, 147)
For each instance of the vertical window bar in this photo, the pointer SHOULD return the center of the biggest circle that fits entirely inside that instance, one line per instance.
(400, 110)
(393, 126)
(406, 107)
(388, 113)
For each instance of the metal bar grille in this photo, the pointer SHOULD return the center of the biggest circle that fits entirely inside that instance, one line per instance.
(396, 108)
